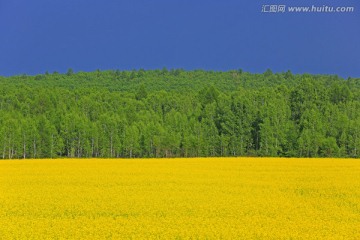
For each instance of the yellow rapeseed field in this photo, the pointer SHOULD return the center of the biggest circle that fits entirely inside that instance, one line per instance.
(197, 198)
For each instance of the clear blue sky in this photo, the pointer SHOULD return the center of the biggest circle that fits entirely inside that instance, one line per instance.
(85, 35)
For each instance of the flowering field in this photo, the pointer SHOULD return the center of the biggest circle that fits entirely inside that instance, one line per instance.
(209, 198)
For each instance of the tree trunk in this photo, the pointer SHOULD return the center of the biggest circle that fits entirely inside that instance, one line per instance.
(34, 144)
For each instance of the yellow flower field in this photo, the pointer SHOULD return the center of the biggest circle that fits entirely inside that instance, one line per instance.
(197, 198)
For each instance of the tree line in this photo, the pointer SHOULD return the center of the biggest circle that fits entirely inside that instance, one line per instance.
(178, 113)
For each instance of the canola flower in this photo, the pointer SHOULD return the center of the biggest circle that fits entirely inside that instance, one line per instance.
(196, 198)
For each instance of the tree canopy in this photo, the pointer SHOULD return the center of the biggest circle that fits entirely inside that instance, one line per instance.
(178, 113)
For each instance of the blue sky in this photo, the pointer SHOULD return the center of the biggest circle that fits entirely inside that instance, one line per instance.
(85, 35)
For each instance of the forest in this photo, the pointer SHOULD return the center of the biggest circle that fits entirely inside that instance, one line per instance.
(178, 113)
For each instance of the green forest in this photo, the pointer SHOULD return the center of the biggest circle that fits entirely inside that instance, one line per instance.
(178, 113)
